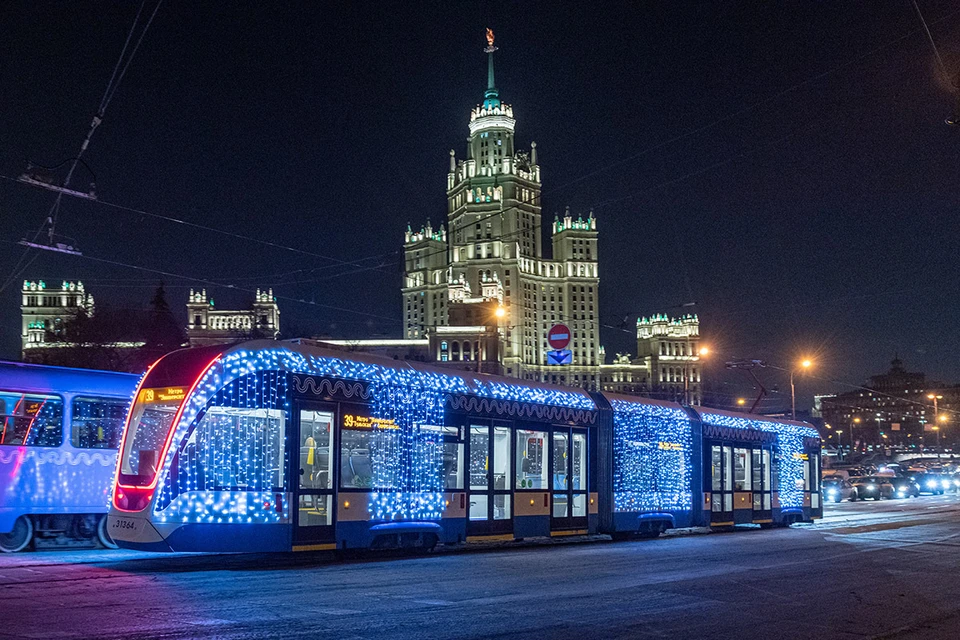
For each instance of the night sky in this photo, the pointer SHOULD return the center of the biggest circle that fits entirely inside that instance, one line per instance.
(785, 165)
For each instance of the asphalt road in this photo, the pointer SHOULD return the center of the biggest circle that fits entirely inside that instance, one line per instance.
(868, 570)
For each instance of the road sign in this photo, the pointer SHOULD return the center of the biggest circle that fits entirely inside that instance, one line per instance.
(559, 336)
(560, 356)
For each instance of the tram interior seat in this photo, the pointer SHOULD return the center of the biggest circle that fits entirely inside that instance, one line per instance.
(355, 468)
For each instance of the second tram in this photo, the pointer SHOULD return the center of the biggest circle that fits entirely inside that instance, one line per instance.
(59, 433)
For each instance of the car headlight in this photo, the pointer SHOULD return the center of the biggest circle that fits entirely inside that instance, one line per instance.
(871, 487)
(946, 484)
(932, 484)
(901, 489)
(956, 483)
(831, 492)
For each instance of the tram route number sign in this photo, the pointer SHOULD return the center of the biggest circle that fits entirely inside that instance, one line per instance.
(163, 394)
(354, 421)
(558, 337)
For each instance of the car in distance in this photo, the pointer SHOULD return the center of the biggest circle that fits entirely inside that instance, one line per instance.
(876, 487)
(905, 487)
(836, 489)
(932, 483)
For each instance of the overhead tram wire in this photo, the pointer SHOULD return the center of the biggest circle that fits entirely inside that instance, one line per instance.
(707, 126)
(761, 103)
(574, 181)
(213, 283)
(590, 174)
(108, 94)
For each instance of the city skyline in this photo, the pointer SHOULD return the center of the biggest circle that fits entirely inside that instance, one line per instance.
(740, 218)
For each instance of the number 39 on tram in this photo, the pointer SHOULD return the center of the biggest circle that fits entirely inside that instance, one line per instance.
(269, 446)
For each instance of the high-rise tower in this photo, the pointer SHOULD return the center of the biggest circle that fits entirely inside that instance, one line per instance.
(491, 251)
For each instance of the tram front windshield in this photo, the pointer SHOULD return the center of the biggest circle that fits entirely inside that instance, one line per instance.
(149, 426)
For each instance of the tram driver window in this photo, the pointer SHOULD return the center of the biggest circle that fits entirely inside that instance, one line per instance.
(97, 423)
(30, 420)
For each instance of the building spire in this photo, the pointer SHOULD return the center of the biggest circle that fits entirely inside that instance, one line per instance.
(491, 96)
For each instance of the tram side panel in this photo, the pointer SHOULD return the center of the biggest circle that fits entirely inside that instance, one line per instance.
(654, 468)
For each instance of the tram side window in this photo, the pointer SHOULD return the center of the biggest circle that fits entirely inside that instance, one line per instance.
(452, 453)
(356, 470)
(741, 468)
(236, 448)
(97, 423)
(531, 459)
(31, 420)
(716, 469)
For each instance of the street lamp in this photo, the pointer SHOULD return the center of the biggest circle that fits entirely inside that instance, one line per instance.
(804, 364)
(741, 401)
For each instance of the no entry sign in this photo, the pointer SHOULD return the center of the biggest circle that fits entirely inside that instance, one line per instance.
(559, 336)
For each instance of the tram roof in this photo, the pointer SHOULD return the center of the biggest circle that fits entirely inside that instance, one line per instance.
(754, 417)
(391, 363)
(41, 378)
(641, 400)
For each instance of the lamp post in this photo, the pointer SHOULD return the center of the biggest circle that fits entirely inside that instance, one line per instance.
(936, 416)
(805, 364)
(702, 352)
(498, 315)
(855, 421)
(840, 443)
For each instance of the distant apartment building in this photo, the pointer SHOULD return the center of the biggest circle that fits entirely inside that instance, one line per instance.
(45, 311)
(207, 325)
(667, 365)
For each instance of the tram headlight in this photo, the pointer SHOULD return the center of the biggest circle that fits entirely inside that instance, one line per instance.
(132, 498)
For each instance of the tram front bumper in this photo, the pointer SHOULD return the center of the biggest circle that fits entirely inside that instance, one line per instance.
(133, 531)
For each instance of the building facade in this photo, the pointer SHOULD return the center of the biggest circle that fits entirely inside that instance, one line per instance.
(667, 365)
(44, 312)
(489, 254)
(208, 325)
(892, 408)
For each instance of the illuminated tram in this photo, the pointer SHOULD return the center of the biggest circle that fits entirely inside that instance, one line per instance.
(59, 433)
(268, 446)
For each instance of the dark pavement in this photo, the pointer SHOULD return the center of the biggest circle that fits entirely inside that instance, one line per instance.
(868, 570)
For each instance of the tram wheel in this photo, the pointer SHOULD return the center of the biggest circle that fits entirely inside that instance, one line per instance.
(103, 536)
(19, 537)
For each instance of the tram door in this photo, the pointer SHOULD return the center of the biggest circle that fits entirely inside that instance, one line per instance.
(569, 479)
(762, 486)
(721, 485)
(740, 484)
(313, 518)
(490, 491)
